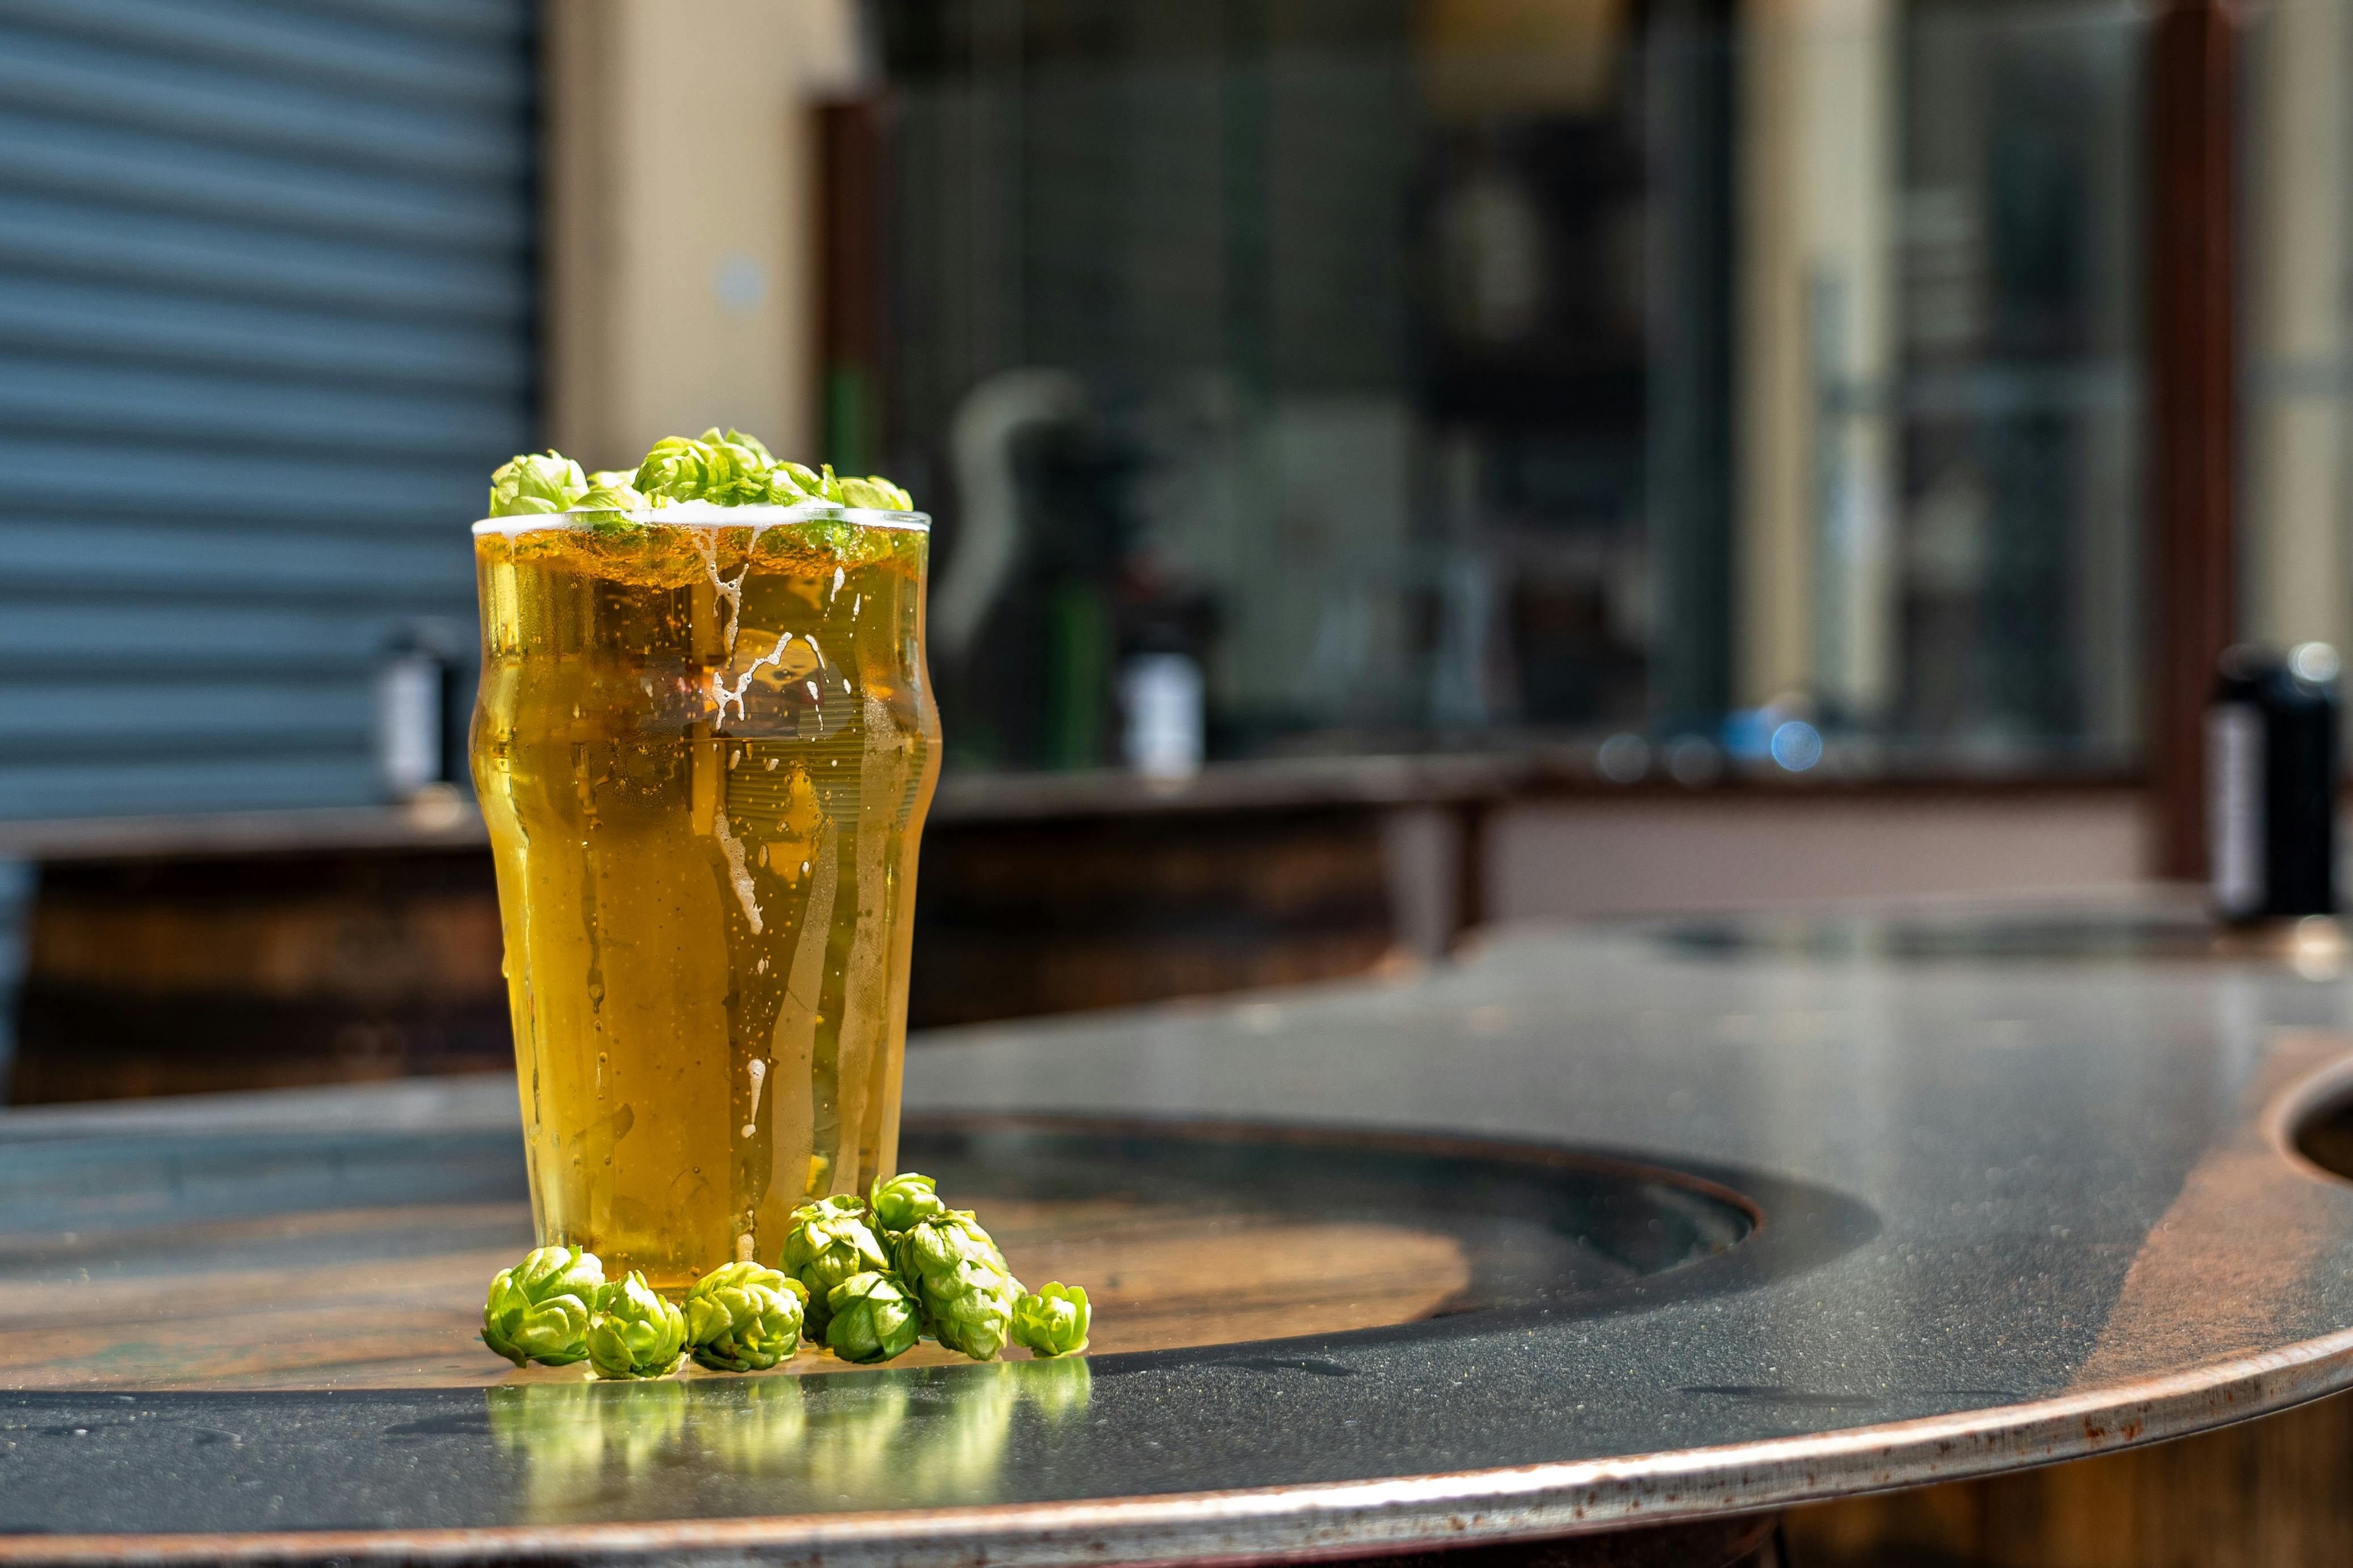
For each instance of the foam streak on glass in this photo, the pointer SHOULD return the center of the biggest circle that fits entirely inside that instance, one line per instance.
(704, 744)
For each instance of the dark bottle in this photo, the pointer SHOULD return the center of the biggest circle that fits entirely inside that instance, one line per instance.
(2271, 783)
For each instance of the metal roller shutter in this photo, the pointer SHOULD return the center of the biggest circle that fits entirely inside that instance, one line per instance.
(266, 297)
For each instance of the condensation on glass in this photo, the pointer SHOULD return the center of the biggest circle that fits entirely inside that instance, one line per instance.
(704, 750)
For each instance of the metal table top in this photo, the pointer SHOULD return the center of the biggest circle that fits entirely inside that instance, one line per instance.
(2017, 1205)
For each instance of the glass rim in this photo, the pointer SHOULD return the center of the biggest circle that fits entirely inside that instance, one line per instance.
(703, 514)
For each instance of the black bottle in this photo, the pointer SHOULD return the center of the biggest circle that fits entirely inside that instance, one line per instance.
(2272, 770)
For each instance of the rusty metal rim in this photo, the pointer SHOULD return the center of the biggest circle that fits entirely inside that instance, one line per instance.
(1346, 1518)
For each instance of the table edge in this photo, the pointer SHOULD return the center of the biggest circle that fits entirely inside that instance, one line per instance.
(1357, 1516)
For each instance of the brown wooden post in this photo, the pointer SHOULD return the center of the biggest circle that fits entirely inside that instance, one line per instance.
(852, 279)
(1473, 820)
(2192, 424)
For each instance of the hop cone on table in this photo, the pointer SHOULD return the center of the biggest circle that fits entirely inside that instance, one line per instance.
(741, 1317)
(1053, 1321)
(830, 1242)
(961, 1281)
(903, 1200)
(538, 1309)
(634, 1332)
(870, 1316)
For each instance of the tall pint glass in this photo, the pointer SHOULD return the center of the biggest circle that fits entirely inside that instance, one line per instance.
(704, 745)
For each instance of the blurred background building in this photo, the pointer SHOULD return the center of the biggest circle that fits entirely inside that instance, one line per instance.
(1398, 464)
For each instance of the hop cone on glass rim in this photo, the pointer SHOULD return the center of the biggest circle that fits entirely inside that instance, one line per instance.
(831, 1242)
(538, 1309)
(961, 1281)
(741, 1317)
(1053, 1321)
(633, 1331)
(535, 483)
(871, 1318)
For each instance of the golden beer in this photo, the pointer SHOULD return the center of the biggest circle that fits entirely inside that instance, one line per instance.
(704, 745)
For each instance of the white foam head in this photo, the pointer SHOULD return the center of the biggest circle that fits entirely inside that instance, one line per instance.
(703, 514)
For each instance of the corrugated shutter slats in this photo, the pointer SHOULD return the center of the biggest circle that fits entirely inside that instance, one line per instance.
(267, 298)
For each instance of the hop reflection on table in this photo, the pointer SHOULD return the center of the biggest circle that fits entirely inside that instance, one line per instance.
(925, 1435)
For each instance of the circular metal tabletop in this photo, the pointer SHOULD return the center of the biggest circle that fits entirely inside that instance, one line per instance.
(1589, 1231)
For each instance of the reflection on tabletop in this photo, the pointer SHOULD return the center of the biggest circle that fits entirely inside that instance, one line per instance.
(583, 1449)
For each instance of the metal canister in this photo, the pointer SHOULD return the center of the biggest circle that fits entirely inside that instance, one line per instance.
(2272, 776)
(417, 712)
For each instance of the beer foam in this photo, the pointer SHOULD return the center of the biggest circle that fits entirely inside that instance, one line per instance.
(704, 514)
(758, 1069)
(738, 874)
(723, 694)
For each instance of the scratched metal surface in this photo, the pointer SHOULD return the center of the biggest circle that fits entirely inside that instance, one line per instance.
(2020, 1207)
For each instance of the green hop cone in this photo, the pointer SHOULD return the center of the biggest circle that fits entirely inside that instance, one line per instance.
(782, 489)
(1053, 1321)
(613, 497)
(538, 1309)
(904, 1199)
(790, 484)
(752, 443)
(734, 467)
(608, 507)
(536, 482)
(870, 1316)
(830, 1241)
(876, 492)
(741, 1317)
(672, 469)
(970, 1310)
(961, 1281)
(937, 1243)
(725, 468)
(634, 1332)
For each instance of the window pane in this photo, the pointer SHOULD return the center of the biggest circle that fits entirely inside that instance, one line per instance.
(1485, 372)
(2296, 571)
